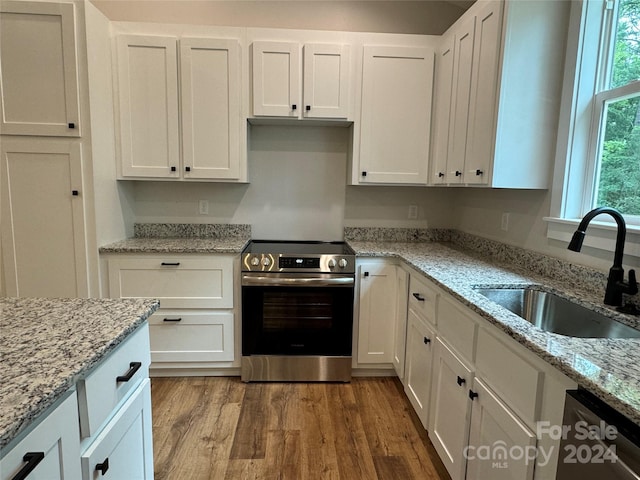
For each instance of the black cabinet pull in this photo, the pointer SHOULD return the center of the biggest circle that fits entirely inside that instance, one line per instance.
(364, 174)
(32, 459)
(418, 297)
(75, 193)
(103, 467)
(366, 274)
(308, 108)
(472, 394)
(440, 174)
(133, 368)
(294, 107)
(170, 264)
(173, 169)
(461, 381)
(479, 172)
(458, 173)
(72, 125)
(188, 169)
(172, 320)
(426, 340)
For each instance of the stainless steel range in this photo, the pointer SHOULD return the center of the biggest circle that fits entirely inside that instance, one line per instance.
(297, 311)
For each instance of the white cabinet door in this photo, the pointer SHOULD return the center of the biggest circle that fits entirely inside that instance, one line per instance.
(51, 451)
(39, 78)
(482, 112)
(420, 344)
(395, 117)
(326, 81)
(495, 427)
(276, 79)
(124, 448)
(450, 409)
(148, 106)
(460, 98)
(442, 109)
(43, 229)
(210, 93)
(377, 317)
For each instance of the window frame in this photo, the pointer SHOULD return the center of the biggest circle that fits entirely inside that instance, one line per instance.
(591, 27)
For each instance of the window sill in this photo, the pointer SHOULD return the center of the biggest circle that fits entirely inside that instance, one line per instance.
(600, 235)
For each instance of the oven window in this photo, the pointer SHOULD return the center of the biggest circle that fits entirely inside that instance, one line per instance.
(297, 310)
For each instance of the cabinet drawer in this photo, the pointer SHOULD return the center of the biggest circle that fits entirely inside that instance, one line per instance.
(509, 375)
(457, 327)
(56, 438)
(178, 281)
(112, 381)
(191, 337)
(422, 298)
(123, 449)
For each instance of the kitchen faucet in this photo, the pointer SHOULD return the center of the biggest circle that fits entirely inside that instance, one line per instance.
(616, 285)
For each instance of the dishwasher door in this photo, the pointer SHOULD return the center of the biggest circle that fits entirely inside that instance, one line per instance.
(598, 442)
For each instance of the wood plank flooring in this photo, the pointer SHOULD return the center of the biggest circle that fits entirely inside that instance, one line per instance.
(220, 428)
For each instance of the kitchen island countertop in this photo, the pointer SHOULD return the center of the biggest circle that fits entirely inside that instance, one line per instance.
(47, 345)
(609, 368)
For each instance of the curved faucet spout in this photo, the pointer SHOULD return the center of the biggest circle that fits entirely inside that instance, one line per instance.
(578, 237)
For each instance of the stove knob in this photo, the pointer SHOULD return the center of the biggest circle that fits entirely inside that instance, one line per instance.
(266, 261)
(332, 263)
(255, 261)
(342, 263)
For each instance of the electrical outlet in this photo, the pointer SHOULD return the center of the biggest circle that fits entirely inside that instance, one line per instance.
(413, 212)
(505, 222)
(203, 207)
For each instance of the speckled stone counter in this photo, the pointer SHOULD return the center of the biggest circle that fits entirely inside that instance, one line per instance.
(183, 238)
(46, 345)
(609, 368)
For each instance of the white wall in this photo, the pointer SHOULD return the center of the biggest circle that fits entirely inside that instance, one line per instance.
(297, 190)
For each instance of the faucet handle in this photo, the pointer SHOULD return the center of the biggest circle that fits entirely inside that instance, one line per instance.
(633, 284)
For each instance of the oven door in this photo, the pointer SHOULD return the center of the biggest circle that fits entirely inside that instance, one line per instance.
(297, 314)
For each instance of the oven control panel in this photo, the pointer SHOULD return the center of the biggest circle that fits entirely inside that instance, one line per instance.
(262, 262)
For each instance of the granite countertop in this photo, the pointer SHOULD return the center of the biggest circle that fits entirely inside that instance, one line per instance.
(178, 245)
(609, 368)
(47, 345)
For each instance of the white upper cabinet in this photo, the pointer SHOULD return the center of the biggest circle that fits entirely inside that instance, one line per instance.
(39, 79)
(201, 139)
(277, 77)
(395, 117)
(504, 93)
(210, 93)
(148, 101)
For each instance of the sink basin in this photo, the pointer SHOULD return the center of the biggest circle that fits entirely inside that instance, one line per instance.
(555, 314)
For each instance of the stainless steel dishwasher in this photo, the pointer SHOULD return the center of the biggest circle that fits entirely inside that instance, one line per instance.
(597, 441)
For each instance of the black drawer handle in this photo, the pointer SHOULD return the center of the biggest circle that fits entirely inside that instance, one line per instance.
(133, 368)
(103, 467)
(294, 107)
(458, 173)
(461, 381)
(188, 169)
(32, 459)
(173, 169)
(418, 297)
(366, 274)
(170, 264)
(426, 340)
(472, 394)
(72, 125)
(75, 193)
(479, 172)
(172, 320)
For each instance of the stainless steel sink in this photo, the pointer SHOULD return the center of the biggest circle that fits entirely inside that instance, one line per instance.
(555, 314)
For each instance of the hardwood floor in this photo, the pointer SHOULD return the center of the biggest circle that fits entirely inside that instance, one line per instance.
(220, 428)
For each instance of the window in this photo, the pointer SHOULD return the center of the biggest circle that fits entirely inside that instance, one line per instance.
(598, 150)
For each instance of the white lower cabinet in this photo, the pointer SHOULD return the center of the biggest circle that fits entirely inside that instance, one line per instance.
(51, 451)
(124, 448)
(194, 329)
(418, 364)
(501, 446)
(450, 409)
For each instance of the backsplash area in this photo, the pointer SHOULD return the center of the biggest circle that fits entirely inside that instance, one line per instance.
(190, 230)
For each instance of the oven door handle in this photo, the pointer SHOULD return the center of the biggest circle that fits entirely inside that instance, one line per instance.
(263, 280)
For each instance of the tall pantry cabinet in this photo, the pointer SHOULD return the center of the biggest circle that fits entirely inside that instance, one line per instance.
(48, 218)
